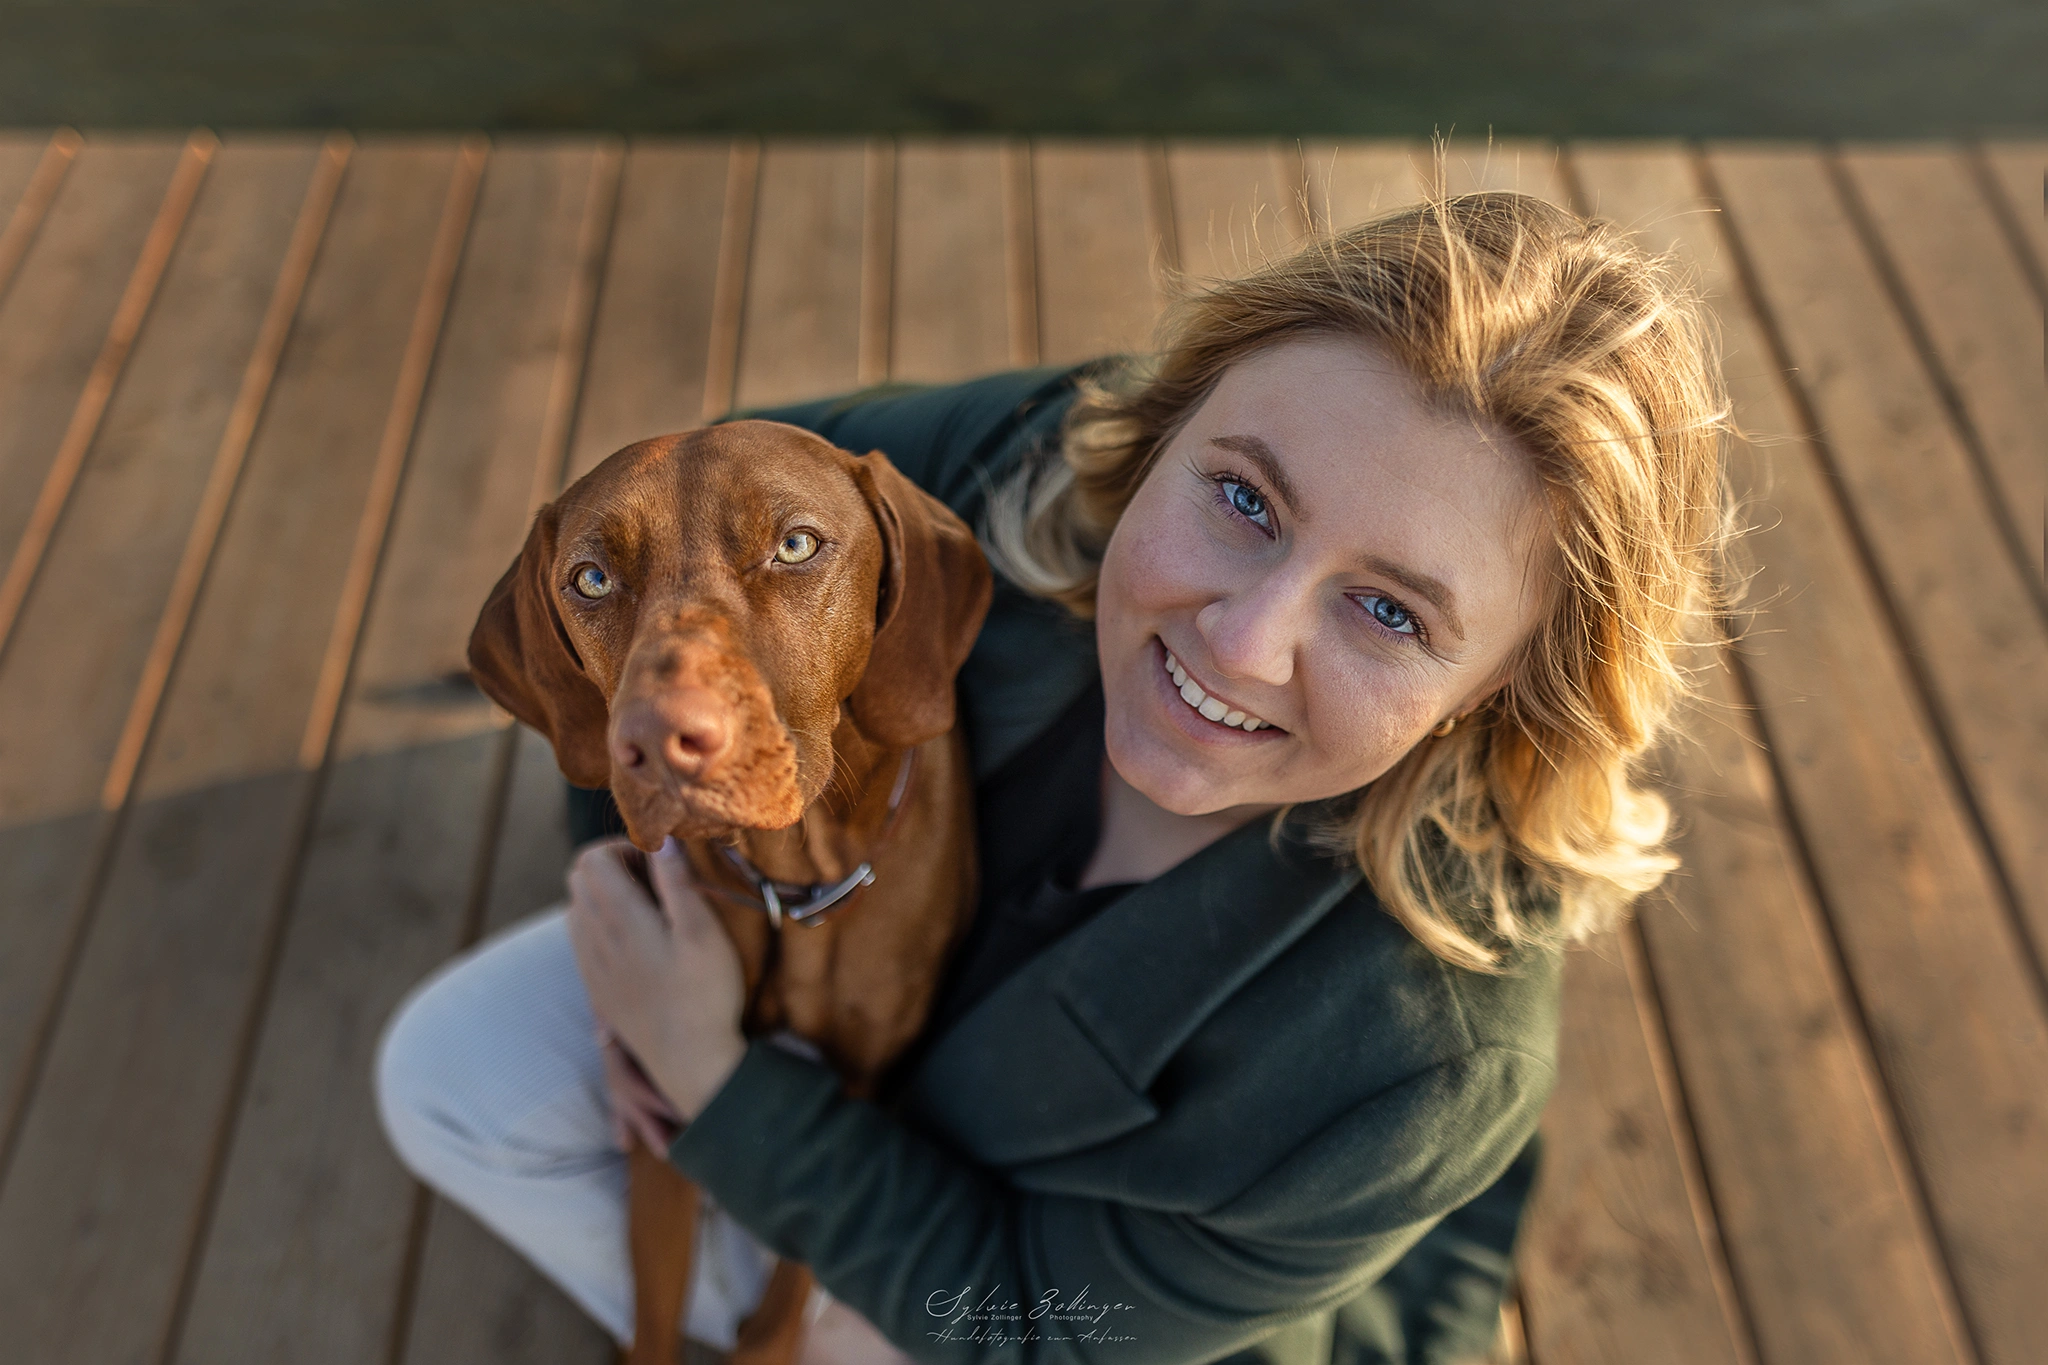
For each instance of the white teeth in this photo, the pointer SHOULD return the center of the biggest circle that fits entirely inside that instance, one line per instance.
(1209, 707)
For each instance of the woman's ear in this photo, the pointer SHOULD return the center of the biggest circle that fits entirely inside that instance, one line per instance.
(520, 655)
(934, 593)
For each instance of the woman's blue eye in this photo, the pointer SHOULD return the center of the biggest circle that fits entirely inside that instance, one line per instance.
(1246, 502)
(1391, 614)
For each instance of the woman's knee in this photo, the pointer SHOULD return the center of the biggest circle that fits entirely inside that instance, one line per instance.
(414, 1076)
(490, 1060)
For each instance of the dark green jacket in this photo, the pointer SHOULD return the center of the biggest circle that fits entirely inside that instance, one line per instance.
(1231, 1098)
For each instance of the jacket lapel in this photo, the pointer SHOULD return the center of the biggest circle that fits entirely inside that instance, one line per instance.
(1079, 1033)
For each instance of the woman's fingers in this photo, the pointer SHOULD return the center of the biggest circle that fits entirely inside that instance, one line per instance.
(600, 876)
(638, 1109)
(682, 904)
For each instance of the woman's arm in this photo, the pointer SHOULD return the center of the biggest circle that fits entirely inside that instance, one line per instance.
(918, 1240)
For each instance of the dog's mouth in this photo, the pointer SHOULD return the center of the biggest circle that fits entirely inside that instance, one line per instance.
(698, 745)
(757, 789)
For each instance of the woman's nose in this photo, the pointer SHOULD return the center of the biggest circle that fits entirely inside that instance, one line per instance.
(1254, 633)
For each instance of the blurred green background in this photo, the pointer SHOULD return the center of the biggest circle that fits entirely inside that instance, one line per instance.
(1861, 68)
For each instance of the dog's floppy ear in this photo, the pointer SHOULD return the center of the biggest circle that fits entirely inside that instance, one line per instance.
(521, 657)
(934, 593)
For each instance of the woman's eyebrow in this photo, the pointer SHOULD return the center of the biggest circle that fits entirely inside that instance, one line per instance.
(1261, 454)
(1422, 585)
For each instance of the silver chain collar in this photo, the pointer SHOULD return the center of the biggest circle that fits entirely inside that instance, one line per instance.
(803, 904)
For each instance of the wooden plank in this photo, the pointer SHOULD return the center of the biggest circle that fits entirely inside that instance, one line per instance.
(310, 1239)
(951, 313)
(491, 1307)
(800, 333)
(1099, 234)
(651, 350)
(877, 260)
(62, 326)
(1351, 182)
(1823, 1230)
(1938, 969)
(85, 638)
(1620, 1258)
(1972, 306)
(1236, 205)
(729, 288)
(31, 169)
(1020, 251)
(2019, 171)
(478, 1302)
(110, 1180)
(1971, 625)
(1610, 1263)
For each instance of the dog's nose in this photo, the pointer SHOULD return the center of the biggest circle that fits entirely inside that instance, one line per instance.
(685, 730)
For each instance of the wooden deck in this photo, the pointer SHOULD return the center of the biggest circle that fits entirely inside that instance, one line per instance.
(274, 411)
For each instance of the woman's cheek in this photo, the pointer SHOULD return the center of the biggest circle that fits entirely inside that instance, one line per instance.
(1171, 561)
(1376, 715)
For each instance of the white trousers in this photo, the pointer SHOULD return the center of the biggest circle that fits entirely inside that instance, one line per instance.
(491, 1088)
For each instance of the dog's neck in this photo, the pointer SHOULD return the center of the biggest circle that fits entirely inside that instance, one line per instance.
(841, 827)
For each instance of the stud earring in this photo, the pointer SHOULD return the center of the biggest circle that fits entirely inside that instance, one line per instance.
(1445, 726)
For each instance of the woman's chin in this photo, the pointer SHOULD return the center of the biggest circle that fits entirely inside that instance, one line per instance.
(1173, 781)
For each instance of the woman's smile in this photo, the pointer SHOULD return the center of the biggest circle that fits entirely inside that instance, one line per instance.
(1203, 715)
(1211, 707)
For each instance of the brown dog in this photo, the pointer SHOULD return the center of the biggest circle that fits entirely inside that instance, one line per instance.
(750, 636)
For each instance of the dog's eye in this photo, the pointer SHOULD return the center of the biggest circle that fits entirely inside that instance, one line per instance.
(591, 581)
(796, 547)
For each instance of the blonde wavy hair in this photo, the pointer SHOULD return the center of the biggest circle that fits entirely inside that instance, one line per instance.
(1524, 825)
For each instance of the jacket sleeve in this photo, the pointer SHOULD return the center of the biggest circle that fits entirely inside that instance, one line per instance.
(954, 1264)
(944, 438)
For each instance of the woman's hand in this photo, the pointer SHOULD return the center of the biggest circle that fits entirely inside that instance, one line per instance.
(662, 975)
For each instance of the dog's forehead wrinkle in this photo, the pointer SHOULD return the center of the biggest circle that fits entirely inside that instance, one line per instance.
(600, 526)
